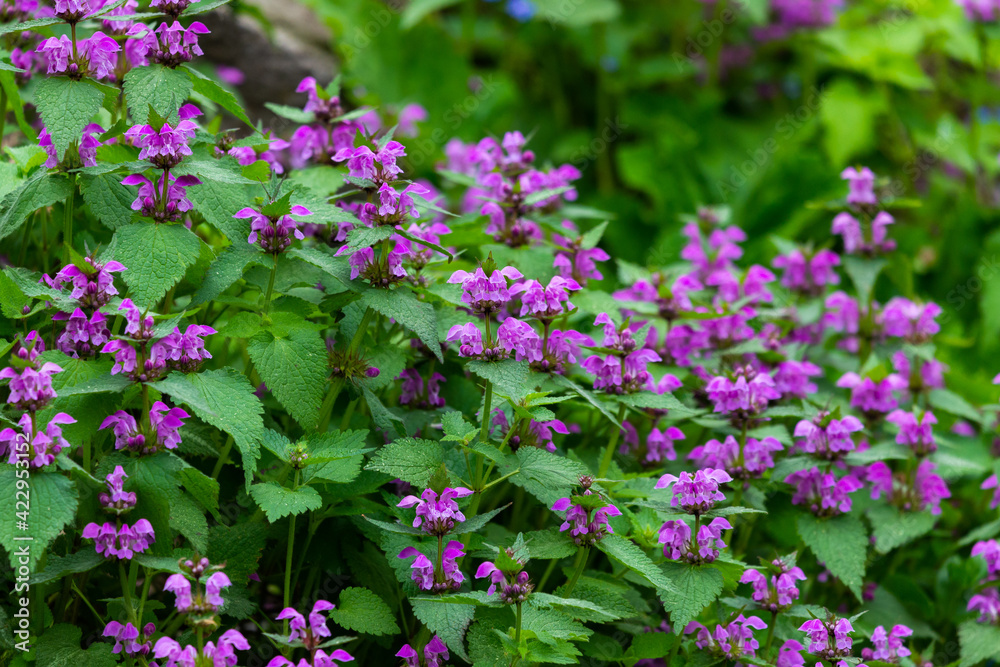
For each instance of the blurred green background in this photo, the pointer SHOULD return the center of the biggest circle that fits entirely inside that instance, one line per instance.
(667, 105)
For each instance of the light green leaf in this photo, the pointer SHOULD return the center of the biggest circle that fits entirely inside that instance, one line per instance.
(543, 474)
(279, 502)
(294, 370)
(162, 88)
(52, 501)
(108, 199)
(360, 610)
(59, 646)
(227, 268)
(448, 621)
(631, 556)
(841, 543)
(510, 378)
(863, 272)
(418, 9)
(224, 399)
(403, 306)
(979, 642)
(893, 528)
(66, 107)
(695, 587)
(42, 189)
(156, 257)
(409, 459)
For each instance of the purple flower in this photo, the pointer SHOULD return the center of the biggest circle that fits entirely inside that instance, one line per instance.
(125, 358)
(987, 603)
(57, 53)
(38, 449)
(747, 395)
(698, 493)
(660, 444)
(790, 654)
(586, 524)
(778, 592)
(822, 493)
(992, 483)
(791, 378)
(888, 645)
(515, 587)
(311, 633)
(149, 199)
(31, 388)
(990, 552)
(747, 462)
(531, 433)
(980, 10)
(86, 147)
(427, 579)
(485, 294)
(871, 396)
(829, 639)
(82, 337)
(164, 421)
(909, 320)
(438, 514)
(117, 499)
(101, 54)
(221, 654)
(92, 287)
(730, 641)
(122, 543)
(395, 206)
(808, 274)
(273, 233)
(915, 432)
(925, 375)
(186, 351)
(171, 7)
(378, 166)
(419, 395)
(850, 230)
(180, 586)
(831, 441)
(166, 147)
(518, 337)
(170, 44)
(469, 337)
(434, 652)
(861, 183)
(545, 303)
(127, 638)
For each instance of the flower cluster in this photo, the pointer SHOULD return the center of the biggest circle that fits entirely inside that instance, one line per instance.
(730, 641)
(824, 494)
(437, 514)
(119, 540)
(508, 576)
(440, 577)
(777, 592)
(741, 462)
(198, 602)
(681, 543)
(586, 516)
(435, 652)
(310, 634)
(698, 493)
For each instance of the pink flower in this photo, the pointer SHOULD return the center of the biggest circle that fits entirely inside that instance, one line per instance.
(438, 514)
(822, 493)
(861, 183)
(698, 493)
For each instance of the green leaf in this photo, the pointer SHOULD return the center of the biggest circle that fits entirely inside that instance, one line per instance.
(587, 396)
(631, 556)
(580, 609)
(293, 114)
(381, 415)
(227, 268)
(409, 459)
(648, 399)
(543, 474)
(402, 305)
(294, 370)
(43, 189)
(213, 91)
(841, 543)
(156, 256)
(66, 107)
(949, 401)
(448, 621)
(863, 272)
(360, 610)
(366, 237)
(162, 88)
(418, 9)
(224, 399)
(52, 501)
(892, 528)
(509, 377)
(279, 502)
(979, 642)
(478, 522)
(59, 646)
(108, 199)
(695, 587)
(58, 567)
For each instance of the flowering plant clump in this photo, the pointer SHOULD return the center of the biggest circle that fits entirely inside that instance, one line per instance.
(343, 378)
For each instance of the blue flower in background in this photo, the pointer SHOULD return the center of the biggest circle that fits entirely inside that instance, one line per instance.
(522, 10)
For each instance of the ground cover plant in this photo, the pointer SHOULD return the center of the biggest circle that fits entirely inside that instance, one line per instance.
(290, 398)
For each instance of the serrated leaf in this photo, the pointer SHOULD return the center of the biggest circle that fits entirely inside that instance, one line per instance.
(294, 370)
(979, 642)
(293, 114)
(108, 199)
(213, 91)
(863, 273)
(448, 621)
(225, 400)
(163, 88)
(508, 377)
(278, 501)
(409, 459)
(648, 399)
(360, 610)
(227, 268)
(57, 567)
(634, 558)
(59, 646)
(52, 501)
(695, 587)
(402, 305)
(543, 474)
(892, 528)
(156, 256)
(580, 609)
(66, 107)
(43, 189)
(841, 543)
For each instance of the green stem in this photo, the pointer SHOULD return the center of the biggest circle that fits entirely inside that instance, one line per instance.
(503, 444)
(327, 409)
(484, 435)
(288, 554)
(270, 286)
(612, 443)
(126, 594)
(3, 112)
(360, 333)
(673, 651)
(26, 237)
(76, 589)
(517, 628)
(582, 556)
(146, 580)
(68, 221)
(770, 634)
(223, 458)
